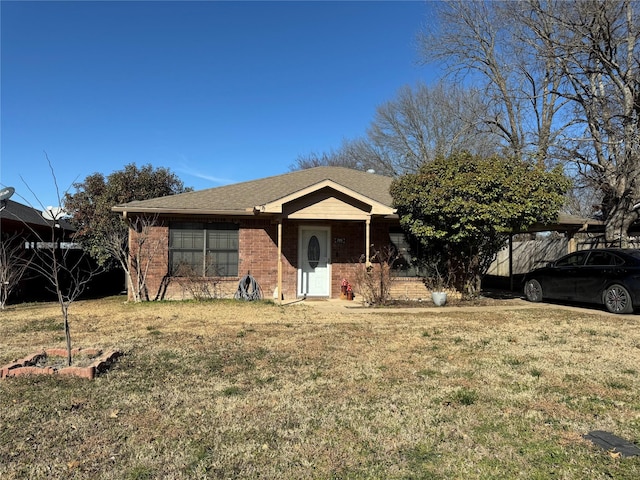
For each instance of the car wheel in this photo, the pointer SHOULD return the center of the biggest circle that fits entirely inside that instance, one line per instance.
(533, 290)
(617, 299)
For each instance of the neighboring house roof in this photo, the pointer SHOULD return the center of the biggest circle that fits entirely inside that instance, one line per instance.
(267, 195)
(17, 212)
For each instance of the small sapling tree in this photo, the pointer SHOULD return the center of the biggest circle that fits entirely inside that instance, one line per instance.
(67, 270)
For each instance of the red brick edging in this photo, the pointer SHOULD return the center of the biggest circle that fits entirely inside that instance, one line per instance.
(27, 365)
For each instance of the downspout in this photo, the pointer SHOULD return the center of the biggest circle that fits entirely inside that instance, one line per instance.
(126, 278)
(367, 247)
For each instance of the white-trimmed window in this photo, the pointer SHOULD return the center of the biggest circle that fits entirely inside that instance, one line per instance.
(203, 249)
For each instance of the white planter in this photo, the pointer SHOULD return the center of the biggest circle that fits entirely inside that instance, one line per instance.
(439, 298)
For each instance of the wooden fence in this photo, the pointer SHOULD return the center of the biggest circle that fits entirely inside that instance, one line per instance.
(530, 254)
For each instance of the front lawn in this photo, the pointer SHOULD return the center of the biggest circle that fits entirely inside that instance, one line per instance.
(252, 390)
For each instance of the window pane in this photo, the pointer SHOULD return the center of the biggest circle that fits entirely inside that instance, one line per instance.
(404, 265)
(222, 264)
(574, 259)
(186, 262)
(600, 259)
(186, 239)
(188, 248)
(222, 240)
(214, 267)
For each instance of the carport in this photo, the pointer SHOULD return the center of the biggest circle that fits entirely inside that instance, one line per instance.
(569, 225)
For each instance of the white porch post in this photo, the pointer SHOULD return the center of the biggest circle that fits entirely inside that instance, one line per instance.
(367, 235)
(280, 261)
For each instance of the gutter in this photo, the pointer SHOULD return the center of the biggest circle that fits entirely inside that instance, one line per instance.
(187, 211)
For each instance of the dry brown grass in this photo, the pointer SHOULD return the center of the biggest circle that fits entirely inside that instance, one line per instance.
(234, 390)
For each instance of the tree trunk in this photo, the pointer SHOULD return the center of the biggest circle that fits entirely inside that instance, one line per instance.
(132, 288)
(67, 330)
(67, 334)
(472, 285)
(617, 227)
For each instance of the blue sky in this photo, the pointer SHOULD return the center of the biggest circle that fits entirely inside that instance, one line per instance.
(219, 92)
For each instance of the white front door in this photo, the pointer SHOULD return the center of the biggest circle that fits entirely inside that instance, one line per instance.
(314, 271)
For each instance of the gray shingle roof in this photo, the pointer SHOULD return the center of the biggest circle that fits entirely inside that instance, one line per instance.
(17, 212)
(22, 213)
(242, 197)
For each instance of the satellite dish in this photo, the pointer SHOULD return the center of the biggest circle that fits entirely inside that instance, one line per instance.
(48, 215)
(53, 213)
(6, 193)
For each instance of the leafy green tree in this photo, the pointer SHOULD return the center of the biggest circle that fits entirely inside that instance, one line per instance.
(90, 206)
(463, 207)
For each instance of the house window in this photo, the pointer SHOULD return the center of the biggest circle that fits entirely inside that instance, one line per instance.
(405, 265)
(203, 249)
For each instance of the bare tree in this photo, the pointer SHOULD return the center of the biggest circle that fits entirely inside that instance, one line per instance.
(99, 228)
(375, 276)
(484, 43)
(562, 77)
(194, 284)
(424, 122)
(418, 125)
(595, 45)
(13, 265)
(67, 270)
(358, 154)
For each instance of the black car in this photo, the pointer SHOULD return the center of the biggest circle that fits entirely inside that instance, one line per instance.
(608, 276)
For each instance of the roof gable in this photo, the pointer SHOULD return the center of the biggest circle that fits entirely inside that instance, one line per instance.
(369, 205)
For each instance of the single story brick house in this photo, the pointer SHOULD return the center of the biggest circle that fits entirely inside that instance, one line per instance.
(300, 233)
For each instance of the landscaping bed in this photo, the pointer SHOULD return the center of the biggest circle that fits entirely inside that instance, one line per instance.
(86, 363)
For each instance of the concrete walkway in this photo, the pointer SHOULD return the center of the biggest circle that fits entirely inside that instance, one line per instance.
(347, 307)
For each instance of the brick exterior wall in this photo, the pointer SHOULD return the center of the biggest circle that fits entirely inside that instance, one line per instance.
(154, 258)
(258, 249)
(258, 254)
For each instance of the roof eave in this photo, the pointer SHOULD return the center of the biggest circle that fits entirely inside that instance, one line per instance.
(180, 211)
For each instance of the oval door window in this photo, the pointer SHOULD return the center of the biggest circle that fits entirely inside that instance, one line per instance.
(313, 252)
